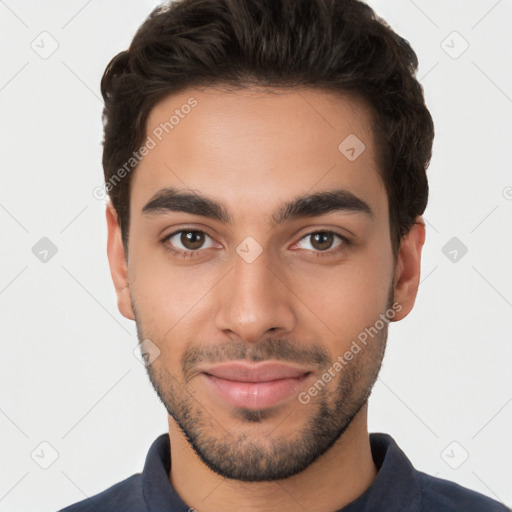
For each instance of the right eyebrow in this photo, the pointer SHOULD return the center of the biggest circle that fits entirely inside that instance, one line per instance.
(170, 199)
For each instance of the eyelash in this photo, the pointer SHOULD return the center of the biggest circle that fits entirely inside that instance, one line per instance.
(191, 254)
(329, 252)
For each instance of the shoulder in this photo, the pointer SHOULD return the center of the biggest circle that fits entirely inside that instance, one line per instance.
(440, 494)
(125, 495)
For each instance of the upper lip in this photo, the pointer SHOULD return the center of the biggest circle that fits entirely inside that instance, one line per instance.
(254, 372)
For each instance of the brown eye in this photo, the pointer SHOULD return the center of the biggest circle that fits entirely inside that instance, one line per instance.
(189, 240)
(192, 239)
(321, 241)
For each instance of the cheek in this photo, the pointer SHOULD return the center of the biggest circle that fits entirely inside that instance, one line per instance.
(349, 297)
(168, 297)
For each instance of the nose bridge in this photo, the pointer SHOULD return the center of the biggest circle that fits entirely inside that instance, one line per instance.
(252, 300)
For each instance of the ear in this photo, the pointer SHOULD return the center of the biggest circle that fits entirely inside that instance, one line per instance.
(407, 270)
(118, 263)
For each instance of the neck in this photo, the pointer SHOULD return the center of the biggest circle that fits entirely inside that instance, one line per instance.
(335, 479)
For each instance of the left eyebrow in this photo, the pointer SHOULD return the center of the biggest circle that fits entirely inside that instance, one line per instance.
(321, 203)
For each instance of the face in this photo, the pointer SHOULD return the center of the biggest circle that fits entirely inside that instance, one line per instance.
(260, 272)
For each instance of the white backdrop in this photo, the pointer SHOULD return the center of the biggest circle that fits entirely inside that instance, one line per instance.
(69, 378)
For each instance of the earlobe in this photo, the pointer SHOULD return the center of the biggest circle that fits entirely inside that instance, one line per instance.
(118, 263)
(408, 267)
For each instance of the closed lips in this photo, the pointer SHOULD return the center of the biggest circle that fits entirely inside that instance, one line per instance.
(262, 372)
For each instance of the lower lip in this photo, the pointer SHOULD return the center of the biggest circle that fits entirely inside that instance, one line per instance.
(254, 395)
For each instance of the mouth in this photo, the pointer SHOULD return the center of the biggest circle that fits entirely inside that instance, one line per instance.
(254, 385)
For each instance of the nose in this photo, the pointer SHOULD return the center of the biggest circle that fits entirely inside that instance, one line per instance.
(254, 300)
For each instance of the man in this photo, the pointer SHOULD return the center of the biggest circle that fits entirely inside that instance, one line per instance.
(265, 162)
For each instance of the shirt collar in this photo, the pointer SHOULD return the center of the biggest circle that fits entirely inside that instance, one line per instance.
(396, 486)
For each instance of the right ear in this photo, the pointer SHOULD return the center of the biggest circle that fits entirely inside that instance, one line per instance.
(118, 263)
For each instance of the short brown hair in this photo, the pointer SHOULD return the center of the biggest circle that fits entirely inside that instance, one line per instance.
(334, 45)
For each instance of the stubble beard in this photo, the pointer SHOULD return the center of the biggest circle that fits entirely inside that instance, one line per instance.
(240, 454)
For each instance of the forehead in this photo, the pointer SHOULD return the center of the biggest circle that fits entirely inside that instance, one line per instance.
(251, 147)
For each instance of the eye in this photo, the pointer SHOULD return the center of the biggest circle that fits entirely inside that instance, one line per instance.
(321, 241)
(189, 240)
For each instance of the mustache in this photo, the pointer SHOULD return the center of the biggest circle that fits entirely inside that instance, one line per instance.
(268, 349)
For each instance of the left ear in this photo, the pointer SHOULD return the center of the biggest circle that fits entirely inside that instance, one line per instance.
(407, 270)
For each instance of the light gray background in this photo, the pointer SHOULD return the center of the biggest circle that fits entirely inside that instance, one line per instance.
(68, 374)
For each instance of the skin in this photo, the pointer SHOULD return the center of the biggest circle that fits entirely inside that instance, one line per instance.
(252, 150)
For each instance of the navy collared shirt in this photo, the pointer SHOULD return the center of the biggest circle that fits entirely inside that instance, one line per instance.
(398, 487)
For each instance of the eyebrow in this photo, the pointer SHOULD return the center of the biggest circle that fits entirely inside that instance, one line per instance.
(320, 203)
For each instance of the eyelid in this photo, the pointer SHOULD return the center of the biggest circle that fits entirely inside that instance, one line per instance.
(342, 245)
(188, 228)
(332, 231)
(165, 239)
(178, 252)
